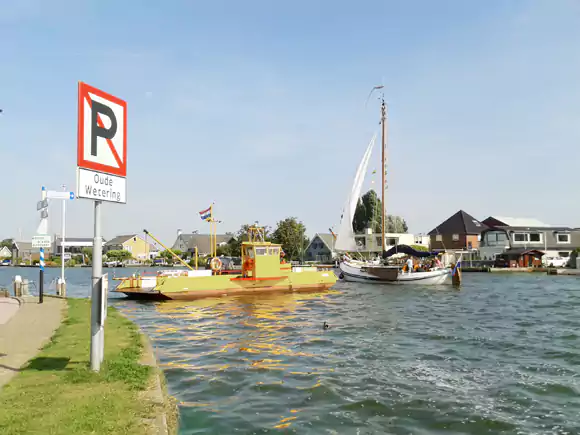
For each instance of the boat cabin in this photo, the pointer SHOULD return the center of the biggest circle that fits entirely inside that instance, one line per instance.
(261, 259)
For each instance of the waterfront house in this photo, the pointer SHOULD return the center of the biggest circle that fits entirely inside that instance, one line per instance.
(182, 241)
(459, 232)
(321, 248)
(139, 248)
(526, 242)
(203, 245)
(27, 253)
(5, 252)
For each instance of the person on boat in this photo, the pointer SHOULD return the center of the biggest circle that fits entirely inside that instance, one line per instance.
(410, 264)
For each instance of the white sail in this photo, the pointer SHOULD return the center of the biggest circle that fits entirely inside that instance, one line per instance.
(345, 237)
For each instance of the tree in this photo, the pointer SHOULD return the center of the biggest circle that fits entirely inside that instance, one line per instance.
(88, 254)
(119, 255)
(169, 257)
(6, 242)
(368, 215)
(291, 234)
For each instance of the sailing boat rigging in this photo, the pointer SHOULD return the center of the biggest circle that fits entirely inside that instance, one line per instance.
(373, 271)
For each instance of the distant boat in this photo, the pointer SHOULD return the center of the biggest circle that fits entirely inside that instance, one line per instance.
(375, 271)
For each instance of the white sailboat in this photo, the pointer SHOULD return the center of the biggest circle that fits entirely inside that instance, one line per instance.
(374, 271)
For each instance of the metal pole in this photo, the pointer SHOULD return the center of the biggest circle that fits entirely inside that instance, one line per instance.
(41, 263)
(41, 283)
(95, 295)
(62, 246)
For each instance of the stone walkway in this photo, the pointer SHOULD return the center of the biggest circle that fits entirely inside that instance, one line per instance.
(8, 307)
(26, 331)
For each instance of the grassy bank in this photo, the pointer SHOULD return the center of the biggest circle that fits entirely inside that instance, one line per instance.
(56, 393)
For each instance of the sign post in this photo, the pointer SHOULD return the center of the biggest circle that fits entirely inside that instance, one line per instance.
(101, 176)
(64, 196)
(42, 241)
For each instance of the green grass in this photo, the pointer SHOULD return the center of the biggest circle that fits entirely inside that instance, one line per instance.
(57, 393)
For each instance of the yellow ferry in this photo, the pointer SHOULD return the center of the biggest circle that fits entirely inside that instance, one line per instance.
(263, 271)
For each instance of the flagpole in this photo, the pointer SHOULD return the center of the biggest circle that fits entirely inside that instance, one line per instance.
(211, 230)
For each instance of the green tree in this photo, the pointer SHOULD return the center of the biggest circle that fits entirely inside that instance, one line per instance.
(119, 255)
(368, 215)
(169, 257)
(87, 254)
(7, 242)
(291, 234)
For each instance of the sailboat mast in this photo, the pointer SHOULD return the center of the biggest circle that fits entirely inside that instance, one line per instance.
(383, 216)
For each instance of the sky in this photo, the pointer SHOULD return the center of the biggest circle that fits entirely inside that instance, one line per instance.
(259, 107)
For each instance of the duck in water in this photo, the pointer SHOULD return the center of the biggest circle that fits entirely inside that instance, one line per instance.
(325, 325)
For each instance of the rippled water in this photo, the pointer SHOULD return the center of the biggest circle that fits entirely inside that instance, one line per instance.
(498, 357)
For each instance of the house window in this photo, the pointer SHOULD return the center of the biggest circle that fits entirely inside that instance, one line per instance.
(438, 238)
(520, 237)
(455, 237)
(563, 238)
(392, 241)
(528, 237)
(564, 254)
(378, 241)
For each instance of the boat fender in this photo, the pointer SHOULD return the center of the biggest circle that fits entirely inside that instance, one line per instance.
(341, 275)
(215, 264)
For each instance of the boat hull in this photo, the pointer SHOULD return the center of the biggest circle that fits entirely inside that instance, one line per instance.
(392, 275)
(198, 287)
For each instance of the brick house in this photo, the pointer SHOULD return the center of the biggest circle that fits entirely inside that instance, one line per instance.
(459, 232)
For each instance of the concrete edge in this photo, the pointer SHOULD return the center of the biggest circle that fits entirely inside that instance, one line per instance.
(156, 394)
(20, 301)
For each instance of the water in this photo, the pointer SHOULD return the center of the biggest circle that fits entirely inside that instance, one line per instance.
(498, 357)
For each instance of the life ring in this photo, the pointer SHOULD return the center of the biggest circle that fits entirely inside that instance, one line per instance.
(215, 264)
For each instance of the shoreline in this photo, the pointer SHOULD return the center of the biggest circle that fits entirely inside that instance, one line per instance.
(127, 396)
(166, 420)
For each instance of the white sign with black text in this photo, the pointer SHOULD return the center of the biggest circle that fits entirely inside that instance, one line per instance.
(41, 241)
(101, 187)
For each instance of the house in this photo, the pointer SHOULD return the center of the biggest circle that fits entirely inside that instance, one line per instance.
(321, 248)
(512, 239)
(26, 253)
(139, 248)
(5, 252)
(182, 241)
(459, 232)
(203, 245)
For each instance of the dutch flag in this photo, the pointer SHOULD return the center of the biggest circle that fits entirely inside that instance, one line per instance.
(205, 214)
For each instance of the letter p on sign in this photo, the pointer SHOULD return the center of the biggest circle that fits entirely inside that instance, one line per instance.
(102, 135)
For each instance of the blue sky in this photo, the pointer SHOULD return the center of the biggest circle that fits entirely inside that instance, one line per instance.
(259, 106)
